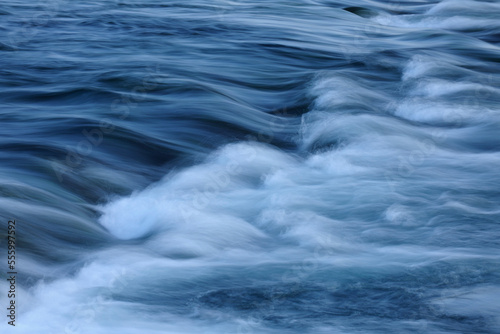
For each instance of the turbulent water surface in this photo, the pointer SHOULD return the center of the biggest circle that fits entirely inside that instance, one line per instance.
(308, 166)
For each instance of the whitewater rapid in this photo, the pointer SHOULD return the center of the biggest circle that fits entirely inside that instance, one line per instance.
(379, 213)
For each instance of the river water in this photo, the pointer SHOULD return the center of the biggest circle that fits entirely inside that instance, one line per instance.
(304, 166)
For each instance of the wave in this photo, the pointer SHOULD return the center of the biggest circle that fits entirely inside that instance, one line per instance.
(314, 167)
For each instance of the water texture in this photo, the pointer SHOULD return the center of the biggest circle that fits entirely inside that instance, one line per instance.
(304, 166)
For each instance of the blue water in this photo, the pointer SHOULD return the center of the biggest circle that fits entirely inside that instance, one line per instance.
(308, 166)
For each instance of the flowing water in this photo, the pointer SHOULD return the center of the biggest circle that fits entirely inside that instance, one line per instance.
(309, 166)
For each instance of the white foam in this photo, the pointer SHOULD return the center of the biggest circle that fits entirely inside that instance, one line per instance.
(186, 203)
(431, 99)
(267, 208)
(332, 92)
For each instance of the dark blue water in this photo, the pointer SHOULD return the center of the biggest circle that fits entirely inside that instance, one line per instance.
(251, 166)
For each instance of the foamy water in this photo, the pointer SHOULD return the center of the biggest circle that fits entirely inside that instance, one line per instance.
(308, 167)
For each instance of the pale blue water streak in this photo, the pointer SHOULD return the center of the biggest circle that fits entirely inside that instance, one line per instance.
(252, 167)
